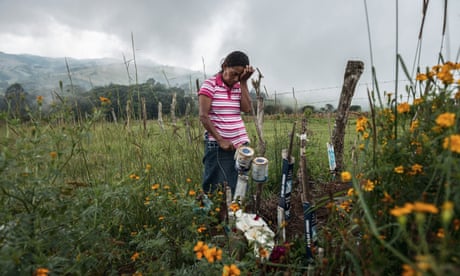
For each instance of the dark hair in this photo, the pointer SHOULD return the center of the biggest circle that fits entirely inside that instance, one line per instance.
(236, 58)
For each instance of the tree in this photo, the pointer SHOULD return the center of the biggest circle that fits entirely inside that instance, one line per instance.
(329, 107)
(270, 109)
(288, 110)
(355, 108)
(311, 108)
(18, 101)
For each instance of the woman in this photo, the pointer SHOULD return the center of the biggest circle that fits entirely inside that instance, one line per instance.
(221, 99)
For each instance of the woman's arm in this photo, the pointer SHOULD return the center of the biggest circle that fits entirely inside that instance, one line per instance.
(204, 108)
(245, 105)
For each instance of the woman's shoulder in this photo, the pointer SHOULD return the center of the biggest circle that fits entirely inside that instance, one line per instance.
(215, 79)
(209, 86)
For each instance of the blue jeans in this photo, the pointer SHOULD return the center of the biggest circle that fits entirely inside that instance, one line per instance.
(219, 167)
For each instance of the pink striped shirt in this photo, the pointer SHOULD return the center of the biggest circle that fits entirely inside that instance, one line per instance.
(225, 113)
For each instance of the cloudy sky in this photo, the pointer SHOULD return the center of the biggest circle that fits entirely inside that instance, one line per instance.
(299, 44)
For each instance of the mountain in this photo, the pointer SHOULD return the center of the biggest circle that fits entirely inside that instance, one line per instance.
(39, 75)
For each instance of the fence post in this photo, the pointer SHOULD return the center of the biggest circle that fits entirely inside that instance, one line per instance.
(353, 72)
(160, 116)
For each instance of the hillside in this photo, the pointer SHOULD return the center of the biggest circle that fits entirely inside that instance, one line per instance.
(39, 74)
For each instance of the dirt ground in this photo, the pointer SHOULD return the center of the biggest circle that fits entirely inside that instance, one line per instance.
(295, 226)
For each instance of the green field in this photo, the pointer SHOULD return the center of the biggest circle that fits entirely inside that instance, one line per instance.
(92, 197)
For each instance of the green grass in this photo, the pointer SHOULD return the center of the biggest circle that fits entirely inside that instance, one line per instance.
(78, 191)
(100, 198)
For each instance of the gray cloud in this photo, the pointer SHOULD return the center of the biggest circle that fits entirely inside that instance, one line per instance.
(297, 44)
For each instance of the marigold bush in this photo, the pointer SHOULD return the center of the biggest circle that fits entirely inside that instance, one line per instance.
(404, 216)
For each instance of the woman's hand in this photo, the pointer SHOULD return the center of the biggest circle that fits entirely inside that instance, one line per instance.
(247, 73)
(226, 145)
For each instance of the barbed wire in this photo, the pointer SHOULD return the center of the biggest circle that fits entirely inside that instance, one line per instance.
(330, 88)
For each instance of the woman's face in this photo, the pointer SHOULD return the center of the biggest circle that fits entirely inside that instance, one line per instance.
(231, 75)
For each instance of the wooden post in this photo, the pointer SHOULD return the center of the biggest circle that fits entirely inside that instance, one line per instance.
(306, 195)
(187, 123)
(160, 116)
(173, 109)
(128, 114)
(352, 74)
(259, 118)
(114, 116)
(259, 122)
(144, 113)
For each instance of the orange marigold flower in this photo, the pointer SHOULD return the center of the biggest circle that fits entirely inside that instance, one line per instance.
(440, 234)
(422, 207)
(231, 270)
(414, 125)
(345, 176)
(452, 143)
(446, 119)
(39, 100)
(263, 253)
(53, 154)
(418, 101)
(346, 206)
(41, 271)
(199, 249)
(457, 95)
(388, 114)
(387, 198)
(191, 193)
(436, 129)
(445, 75)
(361, 124)
(213, 254)
(330, 205)
(456, 224)
(421, 77)
(399, 169)
(408, 270)
(155, 186)
(402, 211)
(436, 68)
(218, 254)
(134, 176)
(104, 99)
(351, 192)
(188, 180)
(423, 262)
(368, 185)
(135, 256)
(201, 229)
(234, 207)
(209, 254)
(161, 218)
(403, 108)
(416, 168)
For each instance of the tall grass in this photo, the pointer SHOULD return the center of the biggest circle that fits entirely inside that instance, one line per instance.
(99, 198)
